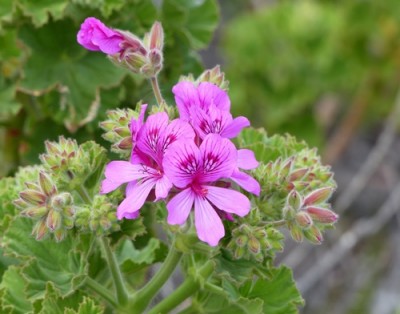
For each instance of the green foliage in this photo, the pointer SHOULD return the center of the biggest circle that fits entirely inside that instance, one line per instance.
(310, 50)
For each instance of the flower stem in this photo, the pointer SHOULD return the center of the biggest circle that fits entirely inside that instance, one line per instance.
(276, 223)
(84, 194)
(144, 296)
(120, 289)
(185, 290)
(156, 90)
(100, 290)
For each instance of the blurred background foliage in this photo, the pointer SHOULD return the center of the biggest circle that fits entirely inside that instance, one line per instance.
(298, 66)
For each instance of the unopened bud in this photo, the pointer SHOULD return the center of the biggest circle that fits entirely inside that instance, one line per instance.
(314, 235)
(46, 184)
(156, 36)
(318, 196)
(35, 212)
(155, 57)
(125, 143)
(59, 201)
(40, 229)
(54, 220)
(286, 167)
(296, 233)
(322, 215)
(135, 61)
(303, 220)
(254, 245)
(60, 235)
(239, 252)
(294, 200)
(33, 197)
(241, 240)
(297, 174)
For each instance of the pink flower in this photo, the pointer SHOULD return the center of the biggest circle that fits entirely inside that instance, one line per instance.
(94, 35)
(144, 172)
(195, 170)
(207, 107)
(246, 161)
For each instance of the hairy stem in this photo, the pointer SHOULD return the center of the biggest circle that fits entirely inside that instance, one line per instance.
(84, 194)
(144, 296)
(120, 289)
(156, 90)
(101, 291)
(185, 290)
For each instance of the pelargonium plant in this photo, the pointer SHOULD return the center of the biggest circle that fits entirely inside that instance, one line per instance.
(193, 186)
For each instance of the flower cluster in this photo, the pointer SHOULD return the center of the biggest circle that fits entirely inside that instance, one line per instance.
(189, 161)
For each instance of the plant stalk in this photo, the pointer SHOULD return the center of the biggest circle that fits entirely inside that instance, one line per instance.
(120, 288)
(156, 90)
(144, 296)
(101, 291)
(185, 290)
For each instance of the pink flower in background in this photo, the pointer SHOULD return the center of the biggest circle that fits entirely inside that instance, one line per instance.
(195, 170)
(207, 108)
(145, 171)
(94, 35)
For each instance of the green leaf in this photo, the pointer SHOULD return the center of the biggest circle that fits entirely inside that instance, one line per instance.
(53, 303)
(269, 148)
(58, 62)
(12, 288)
(87, 306)
(42, 10)
(9, 107)
(6, 10)
(280, 294)
(46, 261)
(195, 21)
(209, 303)
(132, 259)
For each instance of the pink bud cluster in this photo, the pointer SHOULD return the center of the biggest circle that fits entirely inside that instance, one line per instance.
(189, 162)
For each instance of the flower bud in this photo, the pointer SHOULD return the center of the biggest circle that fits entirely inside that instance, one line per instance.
(241, 240)
(296, 233)
(54, 220)
(318, 196)
(254, 245)
(59, 235)
(156, 36)
(297, 174)
(314, 235)
(33, 197)
(40, 229)
(303, 220)
(60, 201)
(35, 212)
(239, 252)
(322, 215)
(46, 184)
(155, 57)
(294, 200)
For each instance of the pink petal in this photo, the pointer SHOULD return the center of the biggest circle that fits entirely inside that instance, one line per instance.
(137, 196)
(246, 182)
(212, 121)
(119, 172)
(181, 163)
(218, 157)
(212, 94)
(185, 96)
(176, 130)
(179, 207)
(228, 200)
(136, 124)
(246, 159)
(235, 127)
(110, 45)
(163, 186)
(208, 224)
(130, 188)
(108, 186)
(131, 215)
(149, 135)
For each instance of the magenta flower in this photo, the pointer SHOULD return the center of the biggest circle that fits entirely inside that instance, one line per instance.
(195, 170)
(145, 170)
(94, 35)
(207, 107)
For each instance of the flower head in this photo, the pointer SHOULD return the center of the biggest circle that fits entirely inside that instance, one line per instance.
(195, 170)
(94, 35)
(207, 107)
(144, 172)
